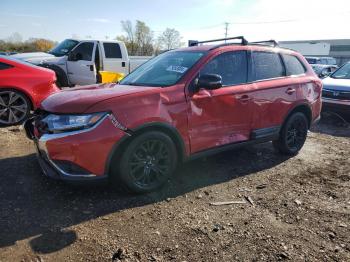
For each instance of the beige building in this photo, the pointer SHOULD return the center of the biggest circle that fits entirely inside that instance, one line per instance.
(337, 48)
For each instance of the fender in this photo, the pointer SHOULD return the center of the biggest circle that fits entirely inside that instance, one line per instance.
(59, 71)
(158, 126)
(300, 107)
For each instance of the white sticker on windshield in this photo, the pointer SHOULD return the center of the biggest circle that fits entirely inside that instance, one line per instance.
(177, 69)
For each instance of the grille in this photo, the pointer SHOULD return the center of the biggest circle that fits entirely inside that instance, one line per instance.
(334, 94)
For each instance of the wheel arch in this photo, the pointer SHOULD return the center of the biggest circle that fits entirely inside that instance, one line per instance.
(22, 91)
(58, 70)
(302, 108)
(165, 128)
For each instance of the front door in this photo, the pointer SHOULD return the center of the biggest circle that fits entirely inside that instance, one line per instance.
(81, 64)
(221, 116)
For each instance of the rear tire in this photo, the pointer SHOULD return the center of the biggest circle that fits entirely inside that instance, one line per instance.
(293, 135)
(14, 107)
(147, 162)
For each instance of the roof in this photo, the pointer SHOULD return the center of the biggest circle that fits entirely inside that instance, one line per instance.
(320, 57)
(100, 40)
(237, 45)
(197, 48)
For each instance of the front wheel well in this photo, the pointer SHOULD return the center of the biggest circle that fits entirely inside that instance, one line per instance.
(61, 75)
(120, 146)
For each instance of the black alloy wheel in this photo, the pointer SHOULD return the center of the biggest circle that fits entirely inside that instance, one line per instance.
(148, 162)
(293, 134)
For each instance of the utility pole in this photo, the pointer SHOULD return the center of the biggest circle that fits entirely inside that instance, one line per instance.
(226, 29)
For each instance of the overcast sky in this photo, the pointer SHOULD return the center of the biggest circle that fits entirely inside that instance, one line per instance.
(195, 19)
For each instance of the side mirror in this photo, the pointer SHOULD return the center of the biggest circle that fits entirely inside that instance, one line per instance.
(209, 81)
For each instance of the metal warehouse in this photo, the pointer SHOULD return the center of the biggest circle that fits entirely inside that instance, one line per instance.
(337, 48)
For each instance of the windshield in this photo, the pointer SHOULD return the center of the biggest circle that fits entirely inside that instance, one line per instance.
(64, 47)
(163, 70)
(343, 72)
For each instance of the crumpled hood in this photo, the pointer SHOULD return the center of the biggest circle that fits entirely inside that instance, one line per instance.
(36, 57)
(79, 99)
(336, 84)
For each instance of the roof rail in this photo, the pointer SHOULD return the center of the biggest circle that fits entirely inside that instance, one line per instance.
(196, 43)
(271, 42)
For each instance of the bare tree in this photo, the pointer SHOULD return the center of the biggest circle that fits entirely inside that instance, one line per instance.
(138, 40)
(130, 36)
(15, 38)
(144, 38)
(170, 39)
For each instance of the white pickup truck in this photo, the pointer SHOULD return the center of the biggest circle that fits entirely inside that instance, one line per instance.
(78, 62)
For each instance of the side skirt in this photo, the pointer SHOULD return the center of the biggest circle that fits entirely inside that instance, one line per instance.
(258, 136)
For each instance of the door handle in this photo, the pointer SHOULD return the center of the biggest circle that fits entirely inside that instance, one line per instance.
(290, 91)
(91, 67)
(244, 98)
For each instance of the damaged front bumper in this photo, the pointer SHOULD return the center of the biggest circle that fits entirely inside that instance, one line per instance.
(74, 156)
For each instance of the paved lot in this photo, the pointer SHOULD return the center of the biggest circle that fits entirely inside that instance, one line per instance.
(294, 208)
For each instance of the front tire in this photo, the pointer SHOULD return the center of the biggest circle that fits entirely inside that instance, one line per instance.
(293, 134)
(148, 162)
(62, 80)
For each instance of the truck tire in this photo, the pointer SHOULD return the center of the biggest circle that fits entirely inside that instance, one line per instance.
(62, 79)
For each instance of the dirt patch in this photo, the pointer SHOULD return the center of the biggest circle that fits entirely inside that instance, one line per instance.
(293, 209)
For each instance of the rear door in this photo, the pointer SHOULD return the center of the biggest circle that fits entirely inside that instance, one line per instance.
(222, 116)
(274, 91)
(114, 58)
(81, 64)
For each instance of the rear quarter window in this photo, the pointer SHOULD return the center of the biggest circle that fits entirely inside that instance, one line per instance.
(112, 50)
(293, 65)
(4, 66)
(266, 65)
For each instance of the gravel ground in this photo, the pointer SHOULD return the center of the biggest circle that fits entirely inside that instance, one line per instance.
(295, 209)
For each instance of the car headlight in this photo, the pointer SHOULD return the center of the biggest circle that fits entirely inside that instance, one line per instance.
(63, 123)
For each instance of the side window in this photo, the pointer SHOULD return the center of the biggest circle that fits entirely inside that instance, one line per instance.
(112, 50)
(84, 51)
(4, 66)
(266, 65)
(293, 65)
(231, 66)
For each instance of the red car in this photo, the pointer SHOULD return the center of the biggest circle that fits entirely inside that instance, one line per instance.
(22, 88)
(182, 104)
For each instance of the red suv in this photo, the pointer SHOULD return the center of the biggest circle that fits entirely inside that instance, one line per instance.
(182, 104)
